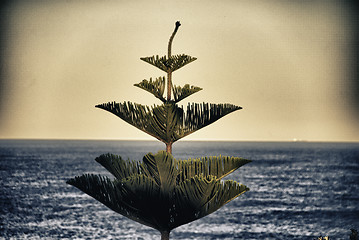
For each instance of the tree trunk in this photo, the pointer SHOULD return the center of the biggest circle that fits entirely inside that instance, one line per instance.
(169, 85)
(169, 73)
(165, 235)
(169, 148)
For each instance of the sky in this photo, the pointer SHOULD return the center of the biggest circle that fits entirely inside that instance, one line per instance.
(291, 65)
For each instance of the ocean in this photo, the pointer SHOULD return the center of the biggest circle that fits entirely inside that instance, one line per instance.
(299, 190)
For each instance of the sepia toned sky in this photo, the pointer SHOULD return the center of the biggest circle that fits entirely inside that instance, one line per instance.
(291, 65)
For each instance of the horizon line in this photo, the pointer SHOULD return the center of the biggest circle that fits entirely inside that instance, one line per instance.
(189, 140)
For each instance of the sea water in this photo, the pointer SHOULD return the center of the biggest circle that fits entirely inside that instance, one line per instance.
(299, 190)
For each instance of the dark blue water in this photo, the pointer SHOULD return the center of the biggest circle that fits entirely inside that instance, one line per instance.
(299, 190)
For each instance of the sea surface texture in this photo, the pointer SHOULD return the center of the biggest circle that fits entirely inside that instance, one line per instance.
(299, 190)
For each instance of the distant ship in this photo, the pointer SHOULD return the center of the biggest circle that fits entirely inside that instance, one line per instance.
(298, 140)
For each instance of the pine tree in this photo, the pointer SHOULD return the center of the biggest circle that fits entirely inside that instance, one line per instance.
(161, 191)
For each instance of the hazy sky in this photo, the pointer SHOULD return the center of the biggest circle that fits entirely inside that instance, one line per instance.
(289, 64)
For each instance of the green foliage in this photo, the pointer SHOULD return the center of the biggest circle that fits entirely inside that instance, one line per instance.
(162, 192)
(169, 64)
(169, 122)
(180, 93)
(209, 166)
(157, 87)
(354, 234)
